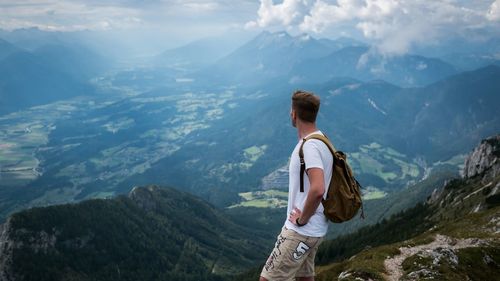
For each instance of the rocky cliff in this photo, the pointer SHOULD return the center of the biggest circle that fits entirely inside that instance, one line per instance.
(484, 159)
(480, 174)
(5, 252)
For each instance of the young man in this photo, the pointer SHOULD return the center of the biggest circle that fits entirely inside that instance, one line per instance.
(305, 226)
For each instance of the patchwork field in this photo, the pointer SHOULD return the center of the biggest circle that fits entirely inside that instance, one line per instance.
(22, 134)
(87, 146)
(385, 163)
(263, 199)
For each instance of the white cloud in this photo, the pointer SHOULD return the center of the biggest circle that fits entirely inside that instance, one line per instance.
(394, 26)
(66, 15)
(494, 11)
(289, 12)
(206, 6)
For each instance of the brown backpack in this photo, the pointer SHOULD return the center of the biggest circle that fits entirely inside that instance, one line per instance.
(343, 198)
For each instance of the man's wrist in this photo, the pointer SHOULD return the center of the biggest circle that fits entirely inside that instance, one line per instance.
(297, 221)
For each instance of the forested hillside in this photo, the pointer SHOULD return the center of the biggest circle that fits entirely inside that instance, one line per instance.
(153, 233)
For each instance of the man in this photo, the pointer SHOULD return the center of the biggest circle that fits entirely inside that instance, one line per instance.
(305, 226)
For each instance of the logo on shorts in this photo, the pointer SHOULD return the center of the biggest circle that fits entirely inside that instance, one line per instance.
(301, 249)
(276, 253)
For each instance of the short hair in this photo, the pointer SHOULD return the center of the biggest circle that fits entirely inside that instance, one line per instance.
(306, 104)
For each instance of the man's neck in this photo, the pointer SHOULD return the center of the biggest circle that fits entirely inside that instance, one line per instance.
(305, 129)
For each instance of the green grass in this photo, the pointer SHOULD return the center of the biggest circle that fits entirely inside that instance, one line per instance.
(263, 199)
(253, 153)
(475, 225)
(21, 133)
(250, 154)
(368, 264)
(382, 162)
(457, 160)
(373, 193)
(369, 165)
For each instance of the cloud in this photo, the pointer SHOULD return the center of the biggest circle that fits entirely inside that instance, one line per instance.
(67, 15)
(494, 11)
(289, 12)
(72, 15)
(394, 26)
(202, 6)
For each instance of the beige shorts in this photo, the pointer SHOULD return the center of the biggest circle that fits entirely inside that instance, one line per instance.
(293, 256)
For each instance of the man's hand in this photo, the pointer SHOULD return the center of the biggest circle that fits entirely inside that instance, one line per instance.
(294, 215)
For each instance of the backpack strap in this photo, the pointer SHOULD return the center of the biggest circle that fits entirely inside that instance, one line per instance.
(302, 165)
(301, 154)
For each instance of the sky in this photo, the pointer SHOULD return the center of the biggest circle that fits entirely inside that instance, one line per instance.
(392, 26)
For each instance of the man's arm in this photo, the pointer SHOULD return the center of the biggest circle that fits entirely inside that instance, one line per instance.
(314, 197)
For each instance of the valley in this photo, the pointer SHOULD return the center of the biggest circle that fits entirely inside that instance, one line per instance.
(101, 146)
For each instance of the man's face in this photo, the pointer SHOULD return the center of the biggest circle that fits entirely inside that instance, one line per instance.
(293, 117)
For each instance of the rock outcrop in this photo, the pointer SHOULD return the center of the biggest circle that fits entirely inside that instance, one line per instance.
(144, 197)
(5, 252)
(484, 159)
(480, 174)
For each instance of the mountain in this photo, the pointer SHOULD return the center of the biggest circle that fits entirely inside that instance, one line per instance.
(465, 55)
(454, 106)
(360, 63)
(28, 80)
(6, 49)
(48, 74)
(153, 233)
(34, 38)
(74, 60)
(267, 56)
(428, 121)
(471, 61)
(199, 53)
(340, 43)
(303, 59)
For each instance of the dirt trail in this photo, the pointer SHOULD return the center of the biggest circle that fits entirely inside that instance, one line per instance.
(393, 266)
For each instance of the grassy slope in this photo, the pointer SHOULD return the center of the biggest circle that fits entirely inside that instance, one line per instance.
(362, 254)
(369, 263)
(452, 214)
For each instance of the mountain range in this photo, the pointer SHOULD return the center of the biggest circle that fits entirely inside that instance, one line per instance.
(47, 74)
(304, 59)
(221, 143)
(363, 64)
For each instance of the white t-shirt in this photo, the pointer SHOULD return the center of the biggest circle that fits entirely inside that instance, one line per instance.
(316, 155)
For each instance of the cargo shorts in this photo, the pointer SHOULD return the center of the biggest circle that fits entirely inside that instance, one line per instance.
(293, 256)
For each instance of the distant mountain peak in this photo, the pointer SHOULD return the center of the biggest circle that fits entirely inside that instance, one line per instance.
(269, 38)
(305, 37)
